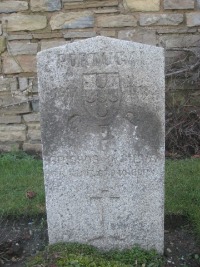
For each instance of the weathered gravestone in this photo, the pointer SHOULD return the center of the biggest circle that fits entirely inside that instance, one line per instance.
(102, 110)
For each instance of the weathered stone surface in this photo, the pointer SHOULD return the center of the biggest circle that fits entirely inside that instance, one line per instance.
(12, 133)
(162, 30)
(35, 105)
(22, 48)
(20, 36)
(34, 117)
(13, 6)
(193, 19)
(140, 36)
(21, 22)
(108, 33)
(47, 35)
(34, 135)
(2, 44)
(52, 43)
(102, 111)
(23, 63)
(72, 20)
(142, 5)
(15, 109)
(178, 4)
(8, 84)
(88, 4)
(9, 147)
(117, 21)
(32, 147)
(106, 10)
(10, 119)
(45, 5)
(160, 19)
(79, 34)
(181, 40)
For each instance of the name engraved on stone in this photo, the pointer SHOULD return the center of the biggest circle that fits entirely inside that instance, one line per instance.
(103, 201)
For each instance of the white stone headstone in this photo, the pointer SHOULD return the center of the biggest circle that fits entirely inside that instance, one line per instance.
(102, 116)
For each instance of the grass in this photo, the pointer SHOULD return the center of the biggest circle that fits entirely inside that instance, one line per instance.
(76, 255)
(20, 173)
(182, 189)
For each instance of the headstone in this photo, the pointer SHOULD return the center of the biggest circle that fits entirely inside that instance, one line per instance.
(102, 116)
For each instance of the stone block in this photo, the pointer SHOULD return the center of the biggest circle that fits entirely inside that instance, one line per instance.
(19, 64)
(47, 35)
(139, 36)
(142, 5)
(22, 48)
(72, 20)
(33, 117)
(10, 119)
(8, 84)
(12, 133)
(116, 21)
(35, 105)
(45, 5)
(178, 4)
(102, 116)
(160, 19)
(193, 19)
(108, 33)
(21, 22)
(15, 109)
(181, 40)
(9, 147)
(29, 147)
(34, 135)
(23, 83)
(24, 36)
(2, 44)
(89, 4)
(79, 34)
(106, 10)
(13, 6)
(52, 43)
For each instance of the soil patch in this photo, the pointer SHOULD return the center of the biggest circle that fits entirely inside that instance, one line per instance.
(24, 237)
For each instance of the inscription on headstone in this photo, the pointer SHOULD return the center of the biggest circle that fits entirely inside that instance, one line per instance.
(102, 117)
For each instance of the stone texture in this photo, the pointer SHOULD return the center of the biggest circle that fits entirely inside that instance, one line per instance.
(13, 6)
(8, 84)
(12, 133)
(117, 21)
(180, 40)
(2, 44)
(23, 63)
(20, 36)
(72, 20)
(106, 10)
(178, 4)
(22, 48)
(88, 4)
(15, 109)
(102, 116)
(45, 5)
(10, 119)
(140, 36)
(21, 22)
(160, 19)
(142, 5)
(47, 35)
(52, 43)
(193, 19)
(32, 147)
(34, 117)
(34, 135)
(79, 34)
(9, 147)
(108, 33)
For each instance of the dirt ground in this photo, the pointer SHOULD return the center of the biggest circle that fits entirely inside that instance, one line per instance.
(24, 237)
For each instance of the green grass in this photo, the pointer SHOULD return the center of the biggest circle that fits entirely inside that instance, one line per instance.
(20, 173)
(182, 189)
(76, 255)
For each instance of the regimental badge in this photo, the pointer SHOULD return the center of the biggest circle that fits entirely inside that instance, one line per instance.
(102, 94)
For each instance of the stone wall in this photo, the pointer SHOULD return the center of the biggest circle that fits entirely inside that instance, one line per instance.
(28, 27)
